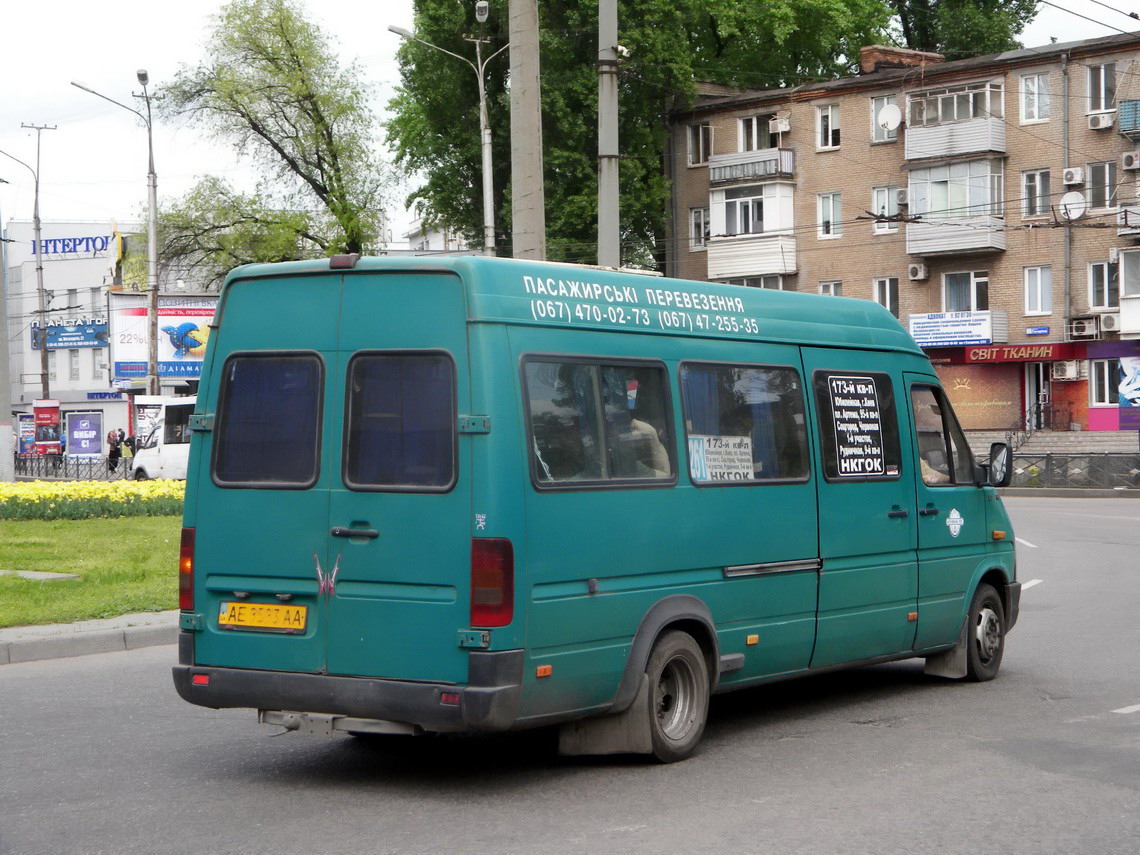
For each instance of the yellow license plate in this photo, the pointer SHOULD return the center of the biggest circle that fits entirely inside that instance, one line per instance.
(266, 617)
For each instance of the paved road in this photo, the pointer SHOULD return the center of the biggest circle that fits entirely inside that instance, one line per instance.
(98, 755)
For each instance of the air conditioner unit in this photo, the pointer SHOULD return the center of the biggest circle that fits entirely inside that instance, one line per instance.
(902, 197)
(1069, 369)
(1110, 323)
(1073, 175)
(1130, 160)
(918, 273)
(779, 125)
(1083, 328)
(1100, 121)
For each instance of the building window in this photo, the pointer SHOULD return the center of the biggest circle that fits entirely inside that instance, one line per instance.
(1104, 285)
(1034, 98)
(698, 228)
(99, 363)
(744, 210)
(886, 293)
(700, 143)
(754, 134)
(772, 281)
(827, 121)
(966, 292)
(970, 188)
(880, 134)
(830, 215)
(51, 364)
(1101, 184)
(885, 204)
(1104, 382)
(97, 301)
(831, 289)
(1102, 87)
(1038, 290)
(1035, 201)
(955, 104)
(73, 364)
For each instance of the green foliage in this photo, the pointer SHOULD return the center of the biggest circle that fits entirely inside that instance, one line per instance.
(435, 129)
(124, 565)
(271, 87)
(960, 29)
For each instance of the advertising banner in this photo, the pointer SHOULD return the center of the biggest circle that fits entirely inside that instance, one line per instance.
(73, 333)
(26, 442)
(183, 328)
(46, 413)
(947, 329)
(84, 434)
(1129, 389)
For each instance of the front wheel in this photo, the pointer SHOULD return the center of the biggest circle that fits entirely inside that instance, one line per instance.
(985, 637)
(140, 475)
(678, 696)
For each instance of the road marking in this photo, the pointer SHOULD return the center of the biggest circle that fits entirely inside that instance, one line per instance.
(1031, 583)
(1127, 710)
(1025, 542)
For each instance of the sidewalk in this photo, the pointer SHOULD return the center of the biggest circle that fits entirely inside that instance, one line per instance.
(55, 641)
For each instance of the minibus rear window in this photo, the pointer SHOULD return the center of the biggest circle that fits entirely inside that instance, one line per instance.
(594, 422)
(268, 422)
(400, 429)
(745, 424)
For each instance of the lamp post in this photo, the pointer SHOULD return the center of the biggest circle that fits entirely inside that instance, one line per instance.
(45, 386)
(152, 386)
(479, 66)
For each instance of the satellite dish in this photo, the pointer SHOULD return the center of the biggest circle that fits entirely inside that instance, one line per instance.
(1073, 205)
(890, 117)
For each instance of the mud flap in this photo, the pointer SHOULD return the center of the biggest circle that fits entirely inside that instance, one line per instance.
(951, 663)
(625, 733)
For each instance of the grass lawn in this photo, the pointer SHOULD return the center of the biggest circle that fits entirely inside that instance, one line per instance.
(126, 564)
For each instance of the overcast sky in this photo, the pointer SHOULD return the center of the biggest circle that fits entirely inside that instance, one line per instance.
(93, 166)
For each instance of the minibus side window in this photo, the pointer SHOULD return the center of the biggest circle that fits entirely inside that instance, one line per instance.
(268, 421)
(400, 430)
(744, 424)
(591, 422)
(858, 427)
(944, 456)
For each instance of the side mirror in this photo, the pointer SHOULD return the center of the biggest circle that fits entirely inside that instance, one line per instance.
(999, 470)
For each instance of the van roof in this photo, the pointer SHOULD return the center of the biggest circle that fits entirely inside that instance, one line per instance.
(518, 291)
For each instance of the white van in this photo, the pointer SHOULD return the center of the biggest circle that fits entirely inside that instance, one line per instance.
(164, 449)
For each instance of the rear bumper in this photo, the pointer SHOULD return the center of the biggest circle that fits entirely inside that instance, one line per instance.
(489, 701)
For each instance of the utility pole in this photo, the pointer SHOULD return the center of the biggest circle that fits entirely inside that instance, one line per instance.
(528, 199)
(609, 229)
(7, 467)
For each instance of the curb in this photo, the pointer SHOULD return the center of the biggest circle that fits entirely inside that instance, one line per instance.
(58, 641)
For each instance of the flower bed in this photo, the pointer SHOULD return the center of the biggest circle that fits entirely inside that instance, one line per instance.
(80, 500)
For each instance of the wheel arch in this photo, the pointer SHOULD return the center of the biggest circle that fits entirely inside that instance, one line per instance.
(681, 612)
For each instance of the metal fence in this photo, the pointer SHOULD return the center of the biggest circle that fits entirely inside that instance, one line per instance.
(56, 467)
(1093, 471)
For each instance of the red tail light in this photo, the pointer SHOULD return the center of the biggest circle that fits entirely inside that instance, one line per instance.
(492, 581)
(186, 571)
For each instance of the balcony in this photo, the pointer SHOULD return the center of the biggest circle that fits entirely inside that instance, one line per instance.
(962, 236)
(1128, 221)
(1128, 119)
(974, 136)
(763, 165)
(740, 256)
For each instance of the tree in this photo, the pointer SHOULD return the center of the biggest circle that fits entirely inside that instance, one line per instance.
(272, 88)
(672, 43)
(960, 29)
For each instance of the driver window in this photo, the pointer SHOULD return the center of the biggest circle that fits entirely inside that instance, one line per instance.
(944, 456)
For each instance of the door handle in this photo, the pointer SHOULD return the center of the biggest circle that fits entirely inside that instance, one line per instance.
(898, 514)
(928, 512)
(340, 531)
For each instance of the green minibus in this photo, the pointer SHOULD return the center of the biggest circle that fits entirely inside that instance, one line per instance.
(441, 494)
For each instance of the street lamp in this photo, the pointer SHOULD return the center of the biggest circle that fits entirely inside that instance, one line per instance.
(479, 66)
(152, 386)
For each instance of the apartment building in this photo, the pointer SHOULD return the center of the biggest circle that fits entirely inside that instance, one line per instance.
(991, 204)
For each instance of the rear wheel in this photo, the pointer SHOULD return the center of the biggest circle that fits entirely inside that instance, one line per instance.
(678, 696)
(985, 635)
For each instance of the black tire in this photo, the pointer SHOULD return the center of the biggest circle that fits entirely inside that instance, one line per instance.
(140, 475)
(985, 635)
(678, 696)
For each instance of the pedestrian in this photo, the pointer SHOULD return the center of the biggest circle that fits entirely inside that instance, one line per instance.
(114, 441)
